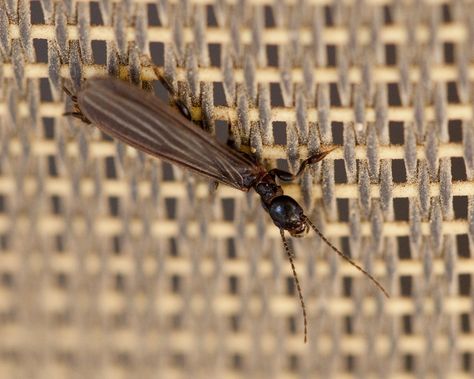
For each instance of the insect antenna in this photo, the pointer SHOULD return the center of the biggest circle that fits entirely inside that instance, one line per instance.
(345, 257)
(298, 287)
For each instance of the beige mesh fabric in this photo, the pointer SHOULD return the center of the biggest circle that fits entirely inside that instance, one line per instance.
(114, 265)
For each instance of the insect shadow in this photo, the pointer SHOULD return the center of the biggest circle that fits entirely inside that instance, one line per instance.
(147, 123)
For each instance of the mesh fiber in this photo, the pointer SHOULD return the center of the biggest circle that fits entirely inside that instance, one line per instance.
(114, 265)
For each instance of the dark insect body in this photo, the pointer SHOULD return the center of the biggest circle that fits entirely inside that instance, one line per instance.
(149, 124)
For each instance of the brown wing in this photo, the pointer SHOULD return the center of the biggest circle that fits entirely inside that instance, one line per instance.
(149, 124)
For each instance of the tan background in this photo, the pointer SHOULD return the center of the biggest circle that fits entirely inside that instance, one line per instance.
(116, 266)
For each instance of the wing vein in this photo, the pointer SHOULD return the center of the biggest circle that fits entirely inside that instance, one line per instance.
(149, 124)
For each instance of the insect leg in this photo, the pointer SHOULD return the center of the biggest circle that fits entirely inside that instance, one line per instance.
(288, 177)
(78, 115)
(70, 94)
(76, 110)
(314, 159)
(183, 109)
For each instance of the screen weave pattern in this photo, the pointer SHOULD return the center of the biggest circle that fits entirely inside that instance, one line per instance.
(115, 265)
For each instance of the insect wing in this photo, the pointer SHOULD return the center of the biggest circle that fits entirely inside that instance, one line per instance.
(149, 124)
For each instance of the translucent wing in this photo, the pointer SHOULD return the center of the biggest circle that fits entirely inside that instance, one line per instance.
(149, 124)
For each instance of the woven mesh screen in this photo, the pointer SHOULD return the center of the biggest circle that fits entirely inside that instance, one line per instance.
(116, 265)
